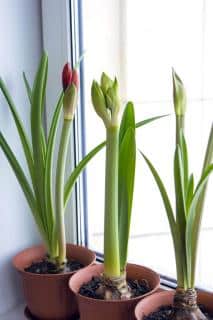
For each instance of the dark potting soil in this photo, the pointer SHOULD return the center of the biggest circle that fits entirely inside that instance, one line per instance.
(164, 313)
(137, 288)
(47, 267)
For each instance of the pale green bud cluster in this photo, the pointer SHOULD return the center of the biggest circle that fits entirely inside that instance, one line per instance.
(106, 100)
(179, 95)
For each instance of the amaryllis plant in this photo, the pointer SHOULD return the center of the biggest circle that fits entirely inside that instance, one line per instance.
(185, 219)
(47, 208)
(119, 182)
(46, 201)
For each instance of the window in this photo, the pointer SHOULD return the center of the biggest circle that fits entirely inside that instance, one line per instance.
(139, 41)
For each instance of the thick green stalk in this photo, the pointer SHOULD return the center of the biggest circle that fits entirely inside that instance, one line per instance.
(59, 196)
(111, 239)
(179, 127)
(180, 207)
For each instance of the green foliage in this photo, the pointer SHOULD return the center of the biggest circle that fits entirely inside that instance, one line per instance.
(185, 225)
(126, 175)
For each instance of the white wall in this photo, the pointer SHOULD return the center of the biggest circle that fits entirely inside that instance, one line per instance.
(21, 46)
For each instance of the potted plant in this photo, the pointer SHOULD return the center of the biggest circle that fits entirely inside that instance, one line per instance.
(112, 289)
(45, 269)
(185, 225)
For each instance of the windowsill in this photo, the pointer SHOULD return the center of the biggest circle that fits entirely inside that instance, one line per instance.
(15, 314)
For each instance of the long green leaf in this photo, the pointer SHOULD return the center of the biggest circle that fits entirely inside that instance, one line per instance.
(194, 223)
(19, 173)
(126, 175)
(36, 125)
(49, 163)
(162, 189)
(184, 156)
(25, 186)
(173, 226)
(209, 151)
(28, 88)
(43, 137)
(149, 120)
(128, 120)
(21, 131)
(30, 93)
(190, 192)
(127, 155)
(200, 203)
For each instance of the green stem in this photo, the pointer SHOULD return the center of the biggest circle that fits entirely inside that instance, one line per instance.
(179, 127)
(111, 239)
(60, 225)
(180, 240)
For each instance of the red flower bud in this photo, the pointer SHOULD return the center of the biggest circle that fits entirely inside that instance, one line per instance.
(66, 76)
(75, 78)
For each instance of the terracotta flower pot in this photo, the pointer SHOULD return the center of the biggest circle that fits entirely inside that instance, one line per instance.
(157, 300)
(92, 309)
(48, 295)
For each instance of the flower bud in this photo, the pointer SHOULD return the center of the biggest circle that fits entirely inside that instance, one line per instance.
(75, 78)
(70, 101)
(66, 76)
(99, 102)
(179, 95)
(106, 82)
(106, 101)
(112, 98)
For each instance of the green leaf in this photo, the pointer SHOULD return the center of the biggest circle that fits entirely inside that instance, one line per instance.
(194, 223)
(164, 195)
(184, 156)
(28, 88)
(25, 186)
(189, 193)
(127, 154)
(30, 93)
(36, 131)
(197, 209)
(146, 121)
(128, 120)
(19, 174)
(77, 171)
(173, 225)
(21, 131)
(43, 137)
(209, 151)
(49, 165)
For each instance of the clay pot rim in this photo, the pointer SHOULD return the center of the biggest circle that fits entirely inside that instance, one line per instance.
(169, 294)
(119, 301)
(161, 294)
(54, 275)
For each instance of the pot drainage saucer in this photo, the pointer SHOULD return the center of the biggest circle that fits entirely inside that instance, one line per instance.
(29, 316)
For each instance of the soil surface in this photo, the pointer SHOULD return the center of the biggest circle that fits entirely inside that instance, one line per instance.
(90, 289)
(46, 267)
(164, 313)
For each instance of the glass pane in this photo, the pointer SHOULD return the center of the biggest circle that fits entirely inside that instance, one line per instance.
(139, 41)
